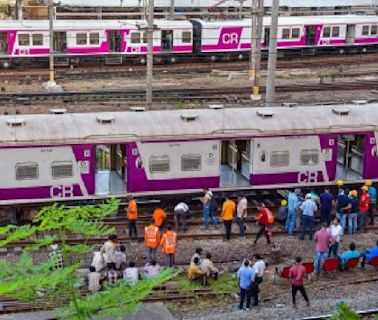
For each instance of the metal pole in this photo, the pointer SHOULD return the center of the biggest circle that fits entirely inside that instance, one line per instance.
(254, 53)
(272, 58)
(172, 10)
(260, 25)
(51, 41)
(150, 54)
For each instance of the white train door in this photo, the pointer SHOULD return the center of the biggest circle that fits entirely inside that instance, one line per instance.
(350, 157)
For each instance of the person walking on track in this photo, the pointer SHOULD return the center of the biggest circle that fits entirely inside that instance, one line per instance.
(297, 273)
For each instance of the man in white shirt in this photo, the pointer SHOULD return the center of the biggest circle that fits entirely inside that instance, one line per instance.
(241, 213)
(120, 258)
(94, 278)
(131, 274)
(107, 250)
(259, 268)
(208, 268)
(181, 213)
(151, 269)
(336, 231)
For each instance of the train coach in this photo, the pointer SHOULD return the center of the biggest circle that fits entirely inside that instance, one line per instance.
(48, 157)
(117, 41)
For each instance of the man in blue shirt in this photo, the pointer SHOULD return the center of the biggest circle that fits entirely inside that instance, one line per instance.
(352, 209)
(341, 206)
(292, 206)
(369, 254)
(308, 208)
(246, 276)
(349, 254)
(326, 203)
(372, 191)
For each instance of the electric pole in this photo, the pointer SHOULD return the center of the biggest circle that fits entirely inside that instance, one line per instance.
(272, 57)
(150, 53)
(51, 41)
(255, 52)
(172, 10)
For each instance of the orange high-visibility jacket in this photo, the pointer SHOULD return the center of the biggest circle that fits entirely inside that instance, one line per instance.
(132, 210)
(151, 236)
(168, 242)
(159, 216)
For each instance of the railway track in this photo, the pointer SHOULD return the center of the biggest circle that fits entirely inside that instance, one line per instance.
(226, 94)
(135, 71)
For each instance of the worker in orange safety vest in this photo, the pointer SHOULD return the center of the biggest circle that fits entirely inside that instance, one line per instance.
(152, 240)
(168, 244)
(132, 216)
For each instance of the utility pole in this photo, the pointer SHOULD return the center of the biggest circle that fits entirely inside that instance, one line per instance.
(272, 57)
(260, 25)
(172, 10)
(255, 46)
(51, 41)
(150, 53)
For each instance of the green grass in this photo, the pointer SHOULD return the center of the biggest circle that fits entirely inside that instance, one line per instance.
(185, 285)
(226, 282)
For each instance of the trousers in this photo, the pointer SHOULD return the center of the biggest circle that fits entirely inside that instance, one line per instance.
(301, 289)
(228, 226)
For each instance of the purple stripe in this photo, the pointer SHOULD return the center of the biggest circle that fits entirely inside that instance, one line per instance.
(281, 178)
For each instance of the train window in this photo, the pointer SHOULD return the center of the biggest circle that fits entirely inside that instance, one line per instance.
(295, 33)
(37, 39)
(365, 30)
(374, 30)
(81, 38)
(335, 31)
(62, 169)
(191, 162)
(135, 37)
(159, 164)
(23, 39)
(309, 157)
(285, 33)
(145, 38)
(326, 32)
(186, 37)
(94, 38)
(279, 158)
(27, 171)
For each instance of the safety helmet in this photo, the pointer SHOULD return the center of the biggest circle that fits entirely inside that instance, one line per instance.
(354, 193)
(283, 202)
(364, 188)
(368, 183)
(340, 183)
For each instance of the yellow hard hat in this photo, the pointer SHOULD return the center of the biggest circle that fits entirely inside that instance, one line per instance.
(354, 193)
(340, 182)
(368, 183)
(364, 188)
(283, 202)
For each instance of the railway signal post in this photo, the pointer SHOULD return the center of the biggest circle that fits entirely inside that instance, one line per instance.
(272, 57)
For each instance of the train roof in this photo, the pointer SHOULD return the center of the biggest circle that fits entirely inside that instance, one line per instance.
(168, 125)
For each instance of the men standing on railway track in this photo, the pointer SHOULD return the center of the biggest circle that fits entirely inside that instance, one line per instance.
(241, 214)
(293, 205)
(245, 277)
(132, 216)
(228, 212)
(326, 203)
(206, 212)
(341, 207)
(152, 239)
(364, 208)
(323, 238)
(168, 244)
(372, 191)
(308, 208)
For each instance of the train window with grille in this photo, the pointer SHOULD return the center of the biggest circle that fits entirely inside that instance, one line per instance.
(135, 37)
(159, 164)
(191, 162)
(62, 169)
(374, 30)
(335, 31)
(27, 171)
(81, 38)
(309, 157)
(285, 33)
(37, 39)
(365, 30)
(279, 158)
(186, 37)
(94, 38)
(23, 39)
(295, 33)
(145, 38)
(326, 32)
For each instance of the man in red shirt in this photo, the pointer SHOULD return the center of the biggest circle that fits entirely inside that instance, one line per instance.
(262, 222)
(297, 273)
(364, 208)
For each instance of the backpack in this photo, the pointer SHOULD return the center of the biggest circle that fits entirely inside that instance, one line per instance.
(270, 217)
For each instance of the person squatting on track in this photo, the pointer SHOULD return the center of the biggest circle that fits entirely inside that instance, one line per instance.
(297, 273)
(181, 213)
(107, 251)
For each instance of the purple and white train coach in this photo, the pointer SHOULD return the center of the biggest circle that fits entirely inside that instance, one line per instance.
(49, 157)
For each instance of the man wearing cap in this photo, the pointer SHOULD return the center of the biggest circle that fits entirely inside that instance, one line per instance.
(372, 191)
(308, 208)
(293, 204)
(364, 208)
